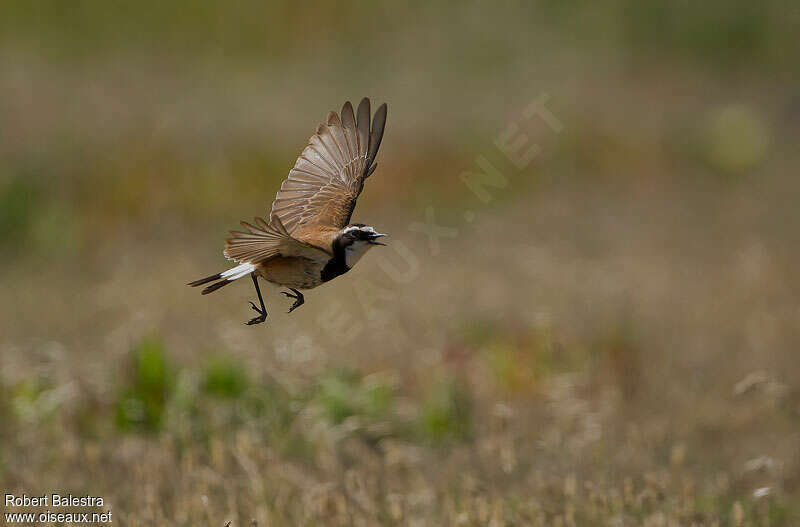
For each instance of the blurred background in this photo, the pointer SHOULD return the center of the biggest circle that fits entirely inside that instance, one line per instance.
(588, 314)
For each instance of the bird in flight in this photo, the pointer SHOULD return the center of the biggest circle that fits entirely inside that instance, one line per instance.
(308, 239)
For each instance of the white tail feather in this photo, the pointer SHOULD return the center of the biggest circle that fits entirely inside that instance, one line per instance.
(238, 272)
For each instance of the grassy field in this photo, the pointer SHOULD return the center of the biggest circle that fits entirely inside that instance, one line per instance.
(601, 329)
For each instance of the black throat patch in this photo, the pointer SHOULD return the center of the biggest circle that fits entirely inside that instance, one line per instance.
(337, 265)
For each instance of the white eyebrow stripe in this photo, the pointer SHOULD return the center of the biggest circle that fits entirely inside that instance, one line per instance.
(365, 228)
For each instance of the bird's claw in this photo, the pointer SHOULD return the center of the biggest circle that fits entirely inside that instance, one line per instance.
(257, 320)
(298, 300)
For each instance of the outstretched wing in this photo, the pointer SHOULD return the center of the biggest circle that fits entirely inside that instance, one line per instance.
(327, 178)
(265, 241)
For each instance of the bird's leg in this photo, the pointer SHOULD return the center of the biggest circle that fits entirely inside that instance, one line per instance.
(299, 299)
(261, 312)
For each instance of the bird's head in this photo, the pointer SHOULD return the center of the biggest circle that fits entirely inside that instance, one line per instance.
(357, 239)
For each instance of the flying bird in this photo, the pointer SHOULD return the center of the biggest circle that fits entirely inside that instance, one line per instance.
(308, 239)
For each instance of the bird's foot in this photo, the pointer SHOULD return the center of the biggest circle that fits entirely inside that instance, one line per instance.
(259, 319)
(299, 299)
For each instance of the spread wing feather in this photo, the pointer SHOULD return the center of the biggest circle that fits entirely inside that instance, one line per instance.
(327, 178)
(376, 135)
(264, 241)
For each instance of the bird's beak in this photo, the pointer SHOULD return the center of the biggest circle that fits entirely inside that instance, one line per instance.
(377, 235)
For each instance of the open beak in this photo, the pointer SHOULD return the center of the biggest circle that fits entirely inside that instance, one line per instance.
(377, 235)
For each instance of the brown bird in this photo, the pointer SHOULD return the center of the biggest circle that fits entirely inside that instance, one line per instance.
(309, 239)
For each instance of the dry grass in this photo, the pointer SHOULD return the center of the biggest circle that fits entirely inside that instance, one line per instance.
(628, 383)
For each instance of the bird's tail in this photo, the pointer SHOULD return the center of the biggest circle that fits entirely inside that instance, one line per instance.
(225, 277)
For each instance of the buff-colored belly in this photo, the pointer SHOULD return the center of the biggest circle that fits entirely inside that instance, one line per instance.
(299, 273)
